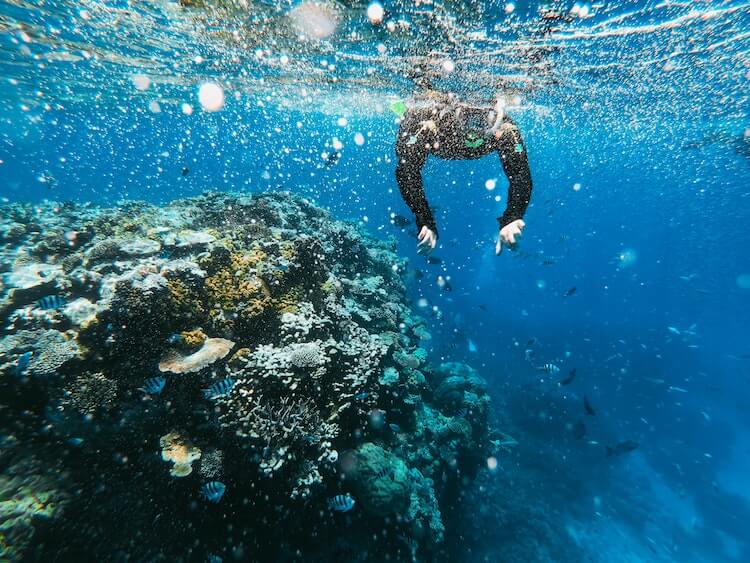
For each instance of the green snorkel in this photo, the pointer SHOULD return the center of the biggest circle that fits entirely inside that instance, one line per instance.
(398, 107)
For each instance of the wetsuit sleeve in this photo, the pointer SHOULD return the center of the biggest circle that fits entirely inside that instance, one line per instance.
(412, 154)
(516, 166)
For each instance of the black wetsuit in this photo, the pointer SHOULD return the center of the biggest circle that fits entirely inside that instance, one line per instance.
(459, 132)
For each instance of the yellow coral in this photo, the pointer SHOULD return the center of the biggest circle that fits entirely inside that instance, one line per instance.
(288, 250)
(193, 338)
(289, 301)
(184, 298)
(180, 452)
(239, 357)
(236, 291)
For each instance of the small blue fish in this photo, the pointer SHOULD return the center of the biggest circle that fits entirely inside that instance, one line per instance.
(154, 385)
(51, 302)
(22, 363)
(341, 503)
(75, 441)
(213, 491)
(361, 396)
(549, 368)
(394, 427)
(384, 472)
(219, 388)
(175, 339)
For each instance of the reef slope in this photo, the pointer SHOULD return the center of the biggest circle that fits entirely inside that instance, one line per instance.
(250, 340)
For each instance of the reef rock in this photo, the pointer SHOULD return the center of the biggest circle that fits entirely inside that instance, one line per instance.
(379, 478)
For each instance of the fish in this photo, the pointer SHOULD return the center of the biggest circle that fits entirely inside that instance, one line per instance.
(75, 441)
(361, 396)
(678, 389)
(471, 346)
(154, 385)
(332, 159)
(587, 406)
(569, 378)
(22, 363)
(219, 388)
(400, 221)
(185, 171)
(529, 354)
(579, 430)
(51, 302)
(383, 472)
(434, 260)
(674, 330)
(213, 491)
(622, 448)
(570, 291)
(549, 368)
(395, 428)
(175, 338)
(505, 441)
(341, 503)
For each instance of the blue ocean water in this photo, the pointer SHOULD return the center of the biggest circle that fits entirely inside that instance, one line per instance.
(633, 268)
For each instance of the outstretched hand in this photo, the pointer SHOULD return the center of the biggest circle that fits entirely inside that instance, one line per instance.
(509, 235)
(427, 239)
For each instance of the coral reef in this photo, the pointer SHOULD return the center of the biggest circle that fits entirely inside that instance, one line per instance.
(298, 322)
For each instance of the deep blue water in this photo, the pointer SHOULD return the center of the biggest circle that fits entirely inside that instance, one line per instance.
(656, 236)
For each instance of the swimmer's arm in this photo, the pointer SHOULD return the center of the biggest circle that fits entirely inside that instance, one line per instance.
(412, 155)
(516, 166)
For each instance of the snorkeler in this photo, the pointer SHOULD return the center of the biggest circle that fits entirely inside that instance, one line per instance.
(455, 131)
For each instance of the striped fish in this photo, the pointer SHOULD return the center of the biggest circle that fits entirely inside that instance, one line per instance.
(213, 491)
(219, 388)
(22, 363)
(384, 472)
(154, 385)
(549, 368)
(51, 302)
(341, 503)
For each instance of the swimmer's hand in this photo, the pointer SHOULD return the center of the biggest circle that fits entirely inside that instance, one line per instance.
(509, 235)
(427, 240)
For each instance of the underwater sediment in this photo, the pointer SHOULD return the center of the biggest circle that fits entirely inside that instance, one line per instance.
(221, 378)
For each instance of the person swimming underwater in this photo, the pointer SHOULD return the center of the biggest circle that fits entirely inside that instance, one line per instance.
(451, 130)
